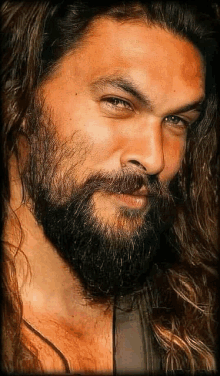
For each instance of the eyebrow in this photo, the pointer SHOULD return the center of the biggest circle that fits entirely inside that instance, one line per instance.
(129, 87)
(124, 84)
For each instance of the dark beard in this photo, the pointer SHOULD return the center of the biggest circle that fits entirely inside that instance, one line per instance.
(108, 261)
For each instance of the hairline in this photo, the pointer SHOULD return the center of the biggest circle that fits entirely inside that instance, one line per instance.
(88, 32)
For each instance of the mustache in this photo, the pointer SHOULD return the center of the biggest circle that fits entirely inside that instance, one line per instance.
(125, 182)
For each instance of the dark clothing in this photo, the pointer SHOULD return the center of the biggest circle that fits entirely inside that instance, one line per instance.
(135, 348)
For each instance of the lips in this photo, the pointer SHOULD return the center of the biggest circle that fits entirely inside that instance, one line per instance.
(135, 200)
(140, 192)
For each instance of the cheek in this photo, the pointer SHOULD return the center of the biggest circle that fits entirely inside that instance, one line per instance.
(98, 133)
(174, 150)
(101, 144)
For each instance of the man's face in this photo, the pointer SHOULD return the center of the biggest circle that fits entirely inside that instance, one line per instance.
(120, 104)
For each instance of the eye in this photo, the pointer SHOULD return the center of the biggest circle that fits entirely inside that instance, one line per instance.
(116, 103)
(176, 121)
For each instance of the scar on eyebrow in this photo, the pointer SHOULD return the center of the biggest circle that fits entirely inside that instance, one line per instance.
(128, 86)
(124, 84)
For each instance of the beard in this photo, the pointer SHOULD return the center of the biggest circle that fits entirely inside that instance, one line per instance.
(109, 260)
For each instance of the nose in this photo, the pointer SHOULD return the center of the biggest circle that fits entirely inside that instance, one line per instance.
(145, 151)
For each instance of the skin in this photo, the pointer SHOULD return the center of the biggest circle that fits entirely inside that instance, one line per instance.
(132, 134)
(133, 131)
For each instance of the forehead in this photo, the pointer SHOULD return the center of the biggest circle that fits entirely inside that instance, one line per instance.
(150, 56)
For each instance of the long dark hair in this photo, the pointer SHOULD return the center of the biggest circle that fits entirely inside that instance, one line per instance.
(182, 299)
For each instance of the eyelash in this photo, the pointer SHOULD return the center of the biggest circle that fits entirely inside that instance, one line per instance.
(122, 104)
(125, 104)
(177, 119)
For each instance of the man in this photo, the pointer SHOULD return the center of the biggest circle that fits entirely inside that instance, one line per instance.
(109, 153)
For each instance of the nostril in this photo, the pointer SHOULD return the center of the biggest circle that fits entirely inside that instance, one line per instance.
(136, 163)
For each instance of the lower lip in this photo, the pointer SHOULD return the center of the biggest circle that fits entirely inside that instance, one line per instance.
(134, 202)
